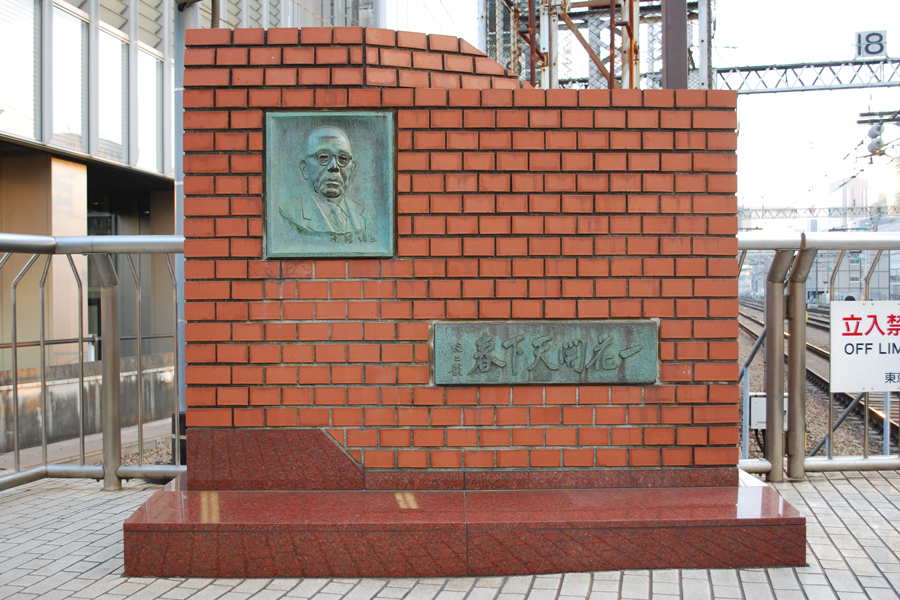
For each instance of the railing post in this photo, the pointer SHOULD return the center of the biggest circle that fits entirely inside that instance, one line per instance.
(832, 282)
(745, 410)
(796, 437)
(775, 363)
(110, 409)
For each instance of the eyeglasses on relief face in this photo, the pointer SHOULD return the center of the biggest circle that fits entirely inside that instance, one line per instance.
(325, 158)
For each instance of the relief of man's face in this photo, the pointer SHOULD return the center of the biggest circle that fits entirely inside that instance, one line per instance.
(328, 165)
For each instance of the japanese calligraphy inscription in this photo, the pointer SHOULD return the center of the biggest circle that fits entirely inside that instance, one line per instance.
(545, 352)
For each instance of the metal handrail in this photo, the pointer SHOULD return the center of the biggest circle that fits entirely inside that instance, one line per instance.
(99, 249)
(92, 244)
(787, 244)
(851, 240)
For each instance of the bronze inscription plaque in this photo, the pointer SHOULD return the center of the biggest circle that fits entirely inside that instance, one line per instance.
(545, 352)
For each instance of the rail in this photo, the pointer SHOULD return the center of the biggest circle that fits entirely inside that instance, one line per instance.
(794, 254)
(99, 249)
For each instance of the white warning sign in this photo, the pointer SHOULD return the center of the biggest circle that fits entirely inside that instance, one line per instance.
(865, 346)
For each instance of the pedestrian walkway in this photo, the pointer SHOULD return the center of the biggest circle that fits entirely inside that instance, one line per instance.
(63, 539)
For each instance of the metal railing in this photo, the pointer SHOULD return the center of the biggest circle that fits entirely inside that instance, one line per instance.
(99, 249)
(794, 254)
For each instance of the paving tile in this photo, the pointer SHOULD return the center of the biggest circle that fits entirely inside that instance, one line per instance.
(576, 584)
(663, 588)
(543, 582)
(783, 579)
(268, 594)
(843, 581)
(365, 589)
(665, 576)
(696, 588)
(753, 576)
(484, 593)
(758, 591)
(308, 588)
(541, 594)
(423, 592)
(635, 586)
(788, 594)
(513, 585)
(464, 584)
(723, 577)
(852, 596)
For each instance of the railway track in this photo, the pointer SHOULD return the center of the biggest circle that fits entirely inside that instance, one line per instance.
(818, 318)
(821, 355)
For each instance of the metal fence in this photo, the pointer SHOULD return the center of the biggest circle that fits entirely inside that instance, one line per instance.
(100, 249)
(792, 259)
(793, 256)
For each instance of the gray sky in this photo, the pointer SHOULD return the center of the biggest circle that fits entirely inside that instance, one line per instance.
(791, 145)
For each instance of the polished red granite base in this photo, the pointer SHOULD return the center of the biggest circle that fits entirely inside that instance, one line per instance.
(180, 533)
(310, 459)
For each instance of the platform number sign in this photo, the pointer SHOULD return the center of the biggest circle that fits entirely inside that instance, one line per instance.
(870, 44)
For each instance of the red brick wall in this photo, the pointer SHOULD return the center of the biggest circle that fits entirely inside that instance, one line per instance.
(512, 204)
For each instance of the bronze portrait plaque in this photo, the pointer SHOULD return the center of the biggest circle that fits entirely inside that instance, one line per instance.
(330, 188)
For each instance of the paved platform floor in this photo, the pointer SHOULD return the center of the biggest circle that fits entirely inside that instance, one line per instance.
(63, 539)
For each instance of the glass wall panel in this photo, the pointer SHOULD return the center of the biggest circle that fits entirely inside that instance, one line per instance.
(69, 81)
(20, 93)
(149, 118)
(113, 97)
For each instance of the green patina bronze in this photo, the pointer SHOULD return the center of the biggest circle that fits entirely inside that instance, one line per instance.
(330, 188)
(545, 352)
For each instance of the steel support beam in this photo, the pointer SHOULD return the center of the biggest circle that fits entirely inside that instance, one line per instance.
(549, 27)
(775, 363)
(704, 43)
(674, 44)
(189, 18)
(482, 25)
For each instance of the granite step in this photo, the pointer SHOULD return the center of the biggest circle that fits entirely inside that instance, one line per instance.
(440, 533)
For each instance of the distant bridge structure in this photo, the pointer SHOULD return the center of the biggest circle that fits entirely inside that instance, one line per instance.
(834, 212)
(838, 75)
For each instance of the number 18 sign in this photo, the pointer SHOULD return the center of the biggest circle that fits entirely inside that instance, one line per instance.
(865, 347)
(871, 43)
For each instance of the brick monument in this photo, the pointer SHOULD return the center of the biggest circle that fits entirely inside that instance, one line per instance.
(326, 434)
